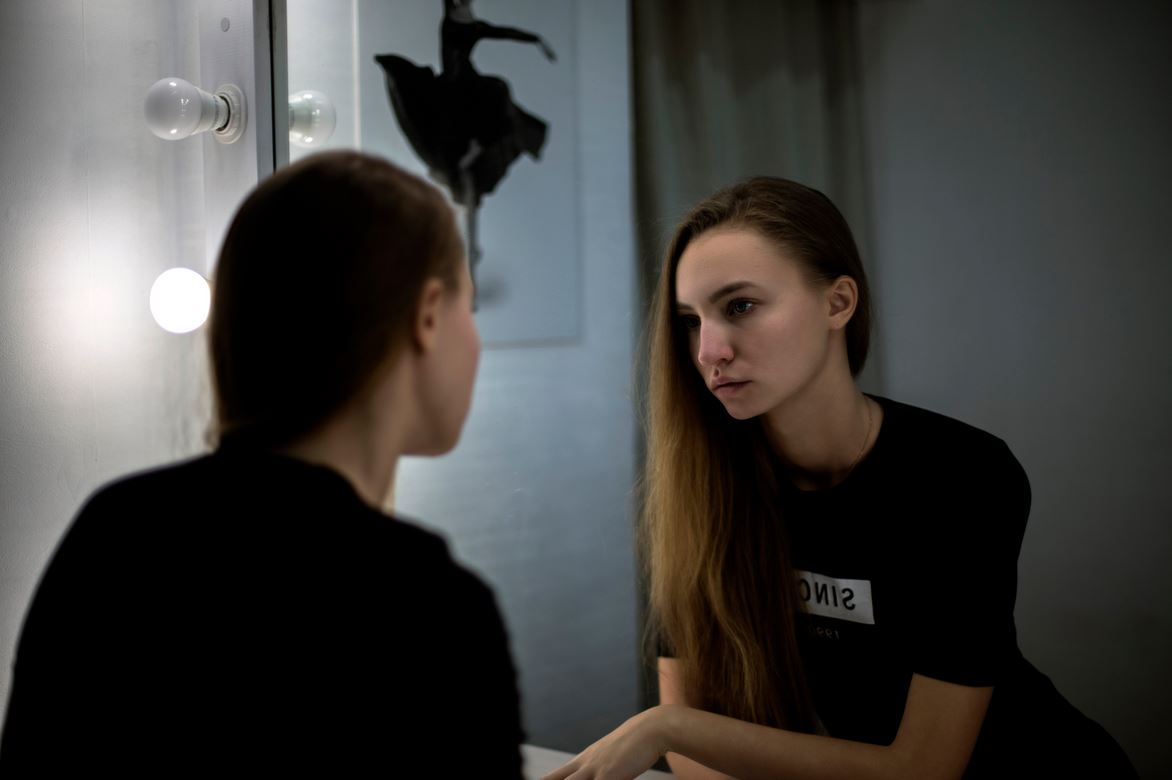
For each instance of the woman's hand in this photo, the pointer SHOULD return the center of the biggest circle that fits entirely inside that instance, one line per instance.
(625, 753)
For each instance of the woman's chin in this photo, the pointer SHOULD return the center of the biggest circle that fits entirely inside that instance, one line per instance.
(739, 411)
(431, 448)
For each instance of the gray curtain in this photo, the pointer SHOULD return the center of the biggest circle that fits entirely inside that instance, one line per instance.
(732, 89)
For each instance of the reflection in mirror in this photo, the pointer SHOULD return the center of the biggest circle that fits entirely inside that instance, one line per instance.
(533, 158)
(312, 119)
(961, 155)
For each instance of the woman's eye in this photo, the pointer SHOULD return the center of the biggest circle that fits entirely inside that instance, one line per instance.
(690, 321)
(739, 307)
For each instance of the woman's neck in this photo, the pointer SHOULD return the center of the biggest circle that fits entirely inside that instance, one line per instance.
(368, 468)
(364, 440)
(821, 435)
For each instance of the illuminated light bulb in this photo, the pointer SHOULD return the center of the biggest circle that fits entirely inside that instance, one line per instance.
(180, 300)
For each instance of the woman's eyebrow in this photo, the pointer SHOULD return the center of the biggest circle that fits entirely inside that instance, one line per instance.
(727, 289)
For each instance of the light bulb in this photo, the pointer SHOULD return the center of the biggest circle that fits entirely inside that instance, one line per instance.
(175, 109)
(180, 300)
(312, 118)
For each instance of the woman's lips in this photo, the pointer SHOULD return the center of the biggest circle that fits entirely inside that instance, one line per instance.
(728, 389)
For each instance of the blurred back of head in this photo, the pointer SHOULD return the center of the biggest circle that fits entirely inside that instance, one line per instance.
(316, 288)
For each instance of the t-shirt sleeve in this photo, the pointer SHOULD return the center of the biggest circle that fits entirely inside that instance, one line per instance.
(961, 592)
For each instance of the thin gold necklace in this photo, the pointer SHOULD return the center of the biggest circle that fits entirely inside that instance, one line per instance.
(865, 439)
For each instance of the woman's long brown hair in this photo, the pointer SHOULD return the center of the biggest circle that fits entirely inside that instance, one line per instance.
(721, 588)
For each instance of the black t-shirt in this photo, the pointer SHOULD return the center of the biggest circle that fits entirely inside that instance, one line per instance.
(245, 610)
(909, 566)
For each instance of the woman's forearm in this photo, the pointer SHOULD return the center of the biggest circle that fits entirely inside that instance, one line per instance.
(685, 768)
(748, 751)
(939, 729)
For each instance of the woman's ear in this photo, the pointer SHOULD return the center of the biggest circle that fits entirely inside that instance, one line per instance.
(427, 315)
(842, 296)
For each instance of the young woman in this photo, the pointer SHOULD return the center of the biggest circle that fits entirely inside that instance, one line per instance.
(253, 609)
(832, 574)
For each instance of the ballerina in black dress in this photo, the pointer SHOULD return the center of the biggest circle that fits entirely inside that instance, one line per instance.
(463, 124)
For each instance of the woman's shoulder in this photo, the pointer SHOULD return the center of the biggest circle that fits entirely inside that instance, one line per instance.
(940, 438)
(949, 459)
(146, 496)
(418, 564)
(260, 502)
(956, 468)
(420, 547)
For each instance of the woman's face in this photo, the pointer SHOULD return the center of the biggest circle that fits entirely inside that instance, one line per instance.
(758, 331)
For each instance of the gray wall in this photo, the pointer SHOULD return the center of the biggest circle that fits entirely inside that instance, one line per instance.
(92, 208)
(1020, 173)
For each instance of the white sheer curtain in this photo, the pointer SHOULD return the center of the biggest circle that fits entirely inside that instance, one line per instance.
(732, 89)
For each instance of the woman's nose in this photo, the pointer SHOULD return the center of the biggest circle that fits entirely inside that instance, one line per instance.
(714, 347)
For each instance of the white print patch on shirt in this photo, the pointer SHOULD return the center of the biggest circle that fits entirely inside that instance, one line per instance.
(842, 599)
